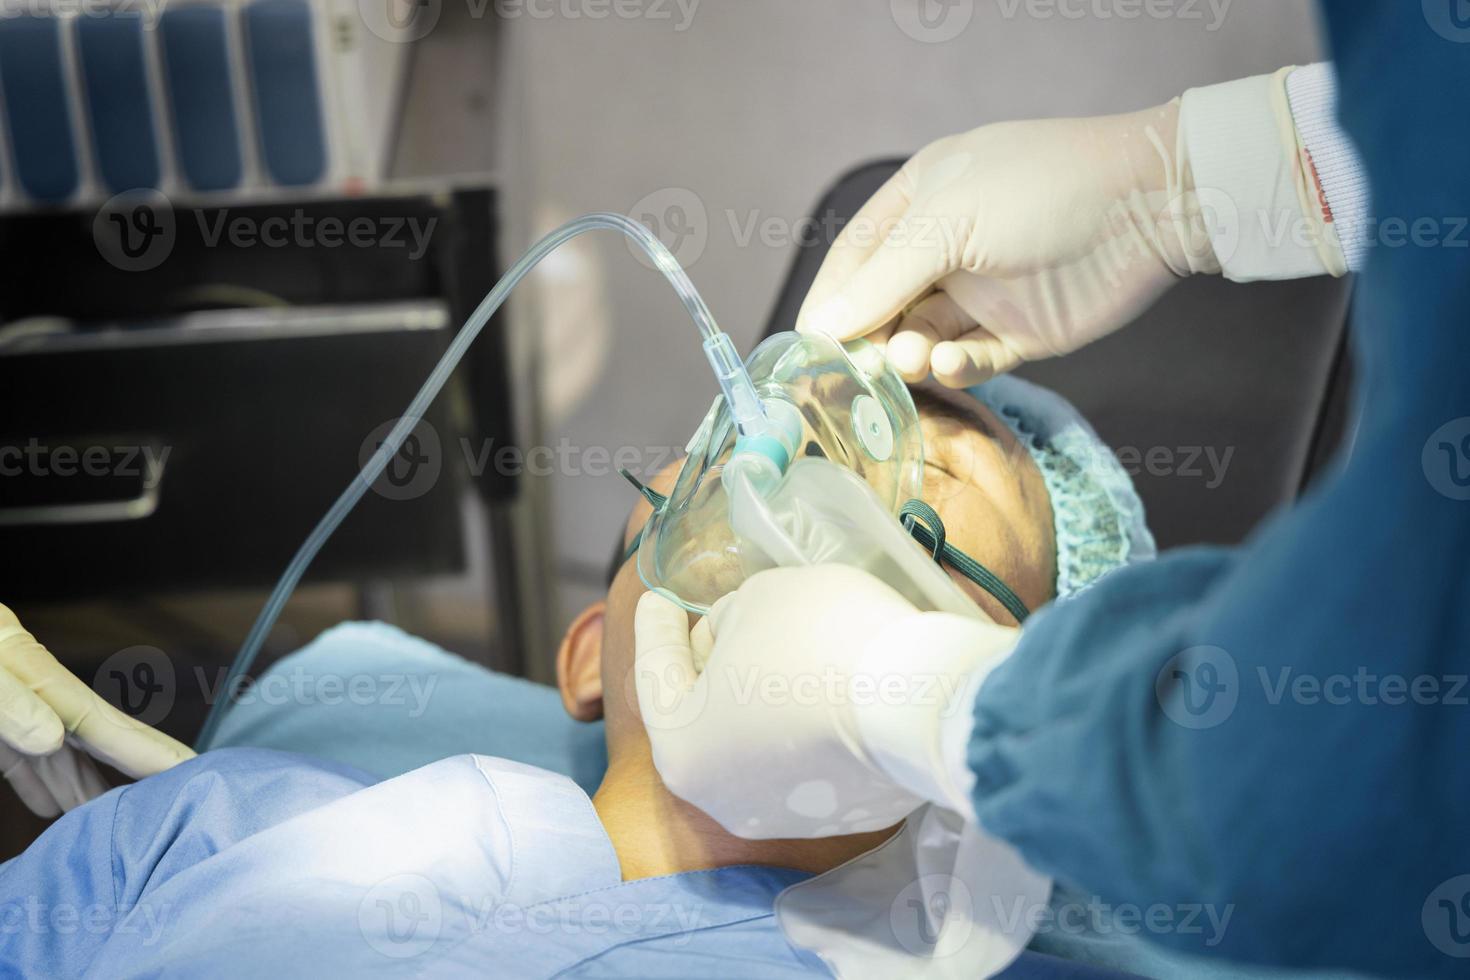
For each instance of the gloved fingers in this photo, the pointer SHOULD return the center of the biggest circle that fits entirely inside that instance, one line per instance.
(904, 267)
(933, 320)
(27, 724)
(9, 624)
(125, 743)
(72, 778)
(973, 359)
(718, 613)
(701, 644)
(909, 352)
(858, 240)
(27, 785)
(93, 782)
(663, 661)
(880, 338)
(116, 738)
(661, 634)
(706, 632)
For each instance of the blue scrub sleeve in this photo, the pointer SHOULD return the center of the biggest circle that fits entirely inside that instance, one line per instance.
(1281, 731)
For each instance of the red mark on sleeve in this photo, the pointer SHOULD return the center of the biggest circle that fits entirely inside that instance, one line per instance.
(1317, 181)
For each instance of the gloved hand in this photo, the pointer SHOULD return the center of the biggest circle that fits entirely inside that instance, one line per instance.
(1016, 242)
(822, 705)
(47, 714)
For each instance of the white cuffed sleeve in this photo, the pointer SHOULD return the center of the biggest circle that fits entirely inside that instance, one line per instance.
(1312, 95)
(919, 734)
(1255, 187)
(955, 730)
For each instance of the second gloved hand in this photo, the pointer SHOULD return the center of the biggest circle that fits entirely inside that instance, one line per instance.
(821, 706)
(48, 718)
(1015, 242)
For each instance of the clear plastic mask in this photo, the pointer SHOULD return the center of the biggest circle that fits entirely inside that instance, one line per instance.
(854, 410)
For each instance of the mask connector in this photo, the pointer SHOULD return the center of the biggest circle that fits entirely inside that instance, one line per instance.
(781, 435)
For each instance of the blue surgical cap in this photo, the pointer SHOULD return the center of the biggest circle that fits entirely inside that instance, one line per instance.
(1097, 513)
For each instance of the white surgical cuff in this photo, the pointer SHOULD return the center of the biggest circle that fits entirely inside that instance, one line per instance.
(1251, 184)
(920, 740)
(1312, 94)
(954, 748)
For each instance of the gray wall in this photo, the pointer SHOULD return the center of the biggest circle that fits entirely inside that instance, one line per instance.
(745, 115)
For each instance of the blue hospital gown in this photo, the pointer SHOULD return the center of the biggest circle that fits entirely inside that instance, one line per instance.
(259, 863)
(249, 862)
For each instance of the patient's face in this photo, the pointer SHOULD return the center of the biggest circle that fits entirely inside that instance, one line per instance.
(983, 483)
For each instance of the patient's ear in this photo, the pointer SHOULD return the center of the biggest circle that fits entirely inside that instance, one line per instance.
(579, 664)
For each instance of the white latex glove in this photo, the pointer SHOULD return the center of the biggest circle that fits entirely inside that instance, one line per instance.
(47, 714)
(1016, 242)
(822, 704)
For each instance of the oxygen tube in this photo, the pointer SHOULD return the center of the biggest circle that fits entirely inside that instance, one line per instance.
(745, 406)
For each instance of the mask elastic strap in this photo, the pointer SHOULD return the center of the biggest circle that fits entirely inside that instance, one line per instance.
(923, 522)
(651, 495)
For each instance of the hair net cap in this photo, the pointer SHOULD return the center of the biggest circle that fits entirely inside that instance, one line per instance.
(1097, 513)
